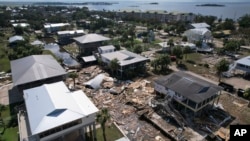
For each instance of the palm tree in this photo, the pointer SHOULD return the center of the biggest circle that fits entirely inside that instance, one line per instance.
(114, 65)
(73, 75)
(171, 44)
(102, 118)
(222, 66)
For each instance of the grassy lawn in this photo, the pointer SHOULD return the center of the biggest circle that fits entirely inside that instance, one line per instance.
(4, 60)
(9, 116)
(192, 62)
(112, 133)
(10, 134)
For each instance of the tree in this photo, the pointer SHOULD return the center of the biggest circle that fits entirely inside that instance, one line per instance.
(19, 30)
(114, 65)
(73, 75)
(102, 117)
(222, 66)
(184, 39)
(177, 51)
(162, 60)
(198, 44)
(137, 49)
(171, 44)
(244, 21)
(185, 51)
(232, 46)
(247, 93)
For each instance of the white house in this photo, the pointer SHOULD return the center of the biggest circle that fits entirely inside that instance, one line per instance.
(242, 64)
(198, 34)
(54, 112)
(127, 60)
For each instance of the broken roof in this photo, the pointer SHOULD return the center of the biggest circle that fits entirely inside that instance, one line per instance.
(189, 86)
(34, 68)
(90, 38)
(89, 58)
(62, 106)
(95, 83)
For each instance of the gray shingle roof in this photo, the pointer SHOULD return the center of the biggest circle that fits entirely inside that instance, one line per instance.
(34, 68)
(90, 38)
(189, 86)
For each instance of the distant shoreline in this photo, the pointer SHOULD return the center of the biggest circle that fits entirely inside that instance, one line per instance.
(211, 5)
(74, 3)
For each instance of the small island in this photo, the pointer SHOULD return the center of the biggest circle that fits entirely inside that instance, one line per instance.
(212, 5)
(154, 3)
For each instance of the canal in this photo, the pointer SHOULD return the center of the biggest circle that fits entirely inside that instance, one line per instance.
(60, 53)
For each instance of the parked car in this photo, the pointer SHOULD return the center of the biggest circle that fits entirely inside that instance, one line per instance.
(227, 87)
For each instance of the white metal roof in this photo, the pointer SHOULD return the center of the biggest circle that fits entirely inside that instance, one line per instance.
(91, 38)
(52, 105)
(197, 32)
(56, 25)
(15, 38)
(200, 25)
(244, 61)
(124, 57)
(20, 24)
(89, 58)
(163, 44)
(108, 47)
(70, 32)
(37, 42)
(34, 68)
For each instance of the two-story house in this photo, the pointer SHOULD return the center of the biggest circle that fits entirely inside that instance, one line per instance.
(187, 90)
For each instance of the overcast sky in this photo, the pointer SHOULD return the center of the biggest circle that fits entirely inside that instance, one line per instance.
(207, 1)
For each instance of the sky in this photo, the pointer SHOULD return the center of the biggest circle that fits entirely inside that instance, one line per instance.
(206, 1)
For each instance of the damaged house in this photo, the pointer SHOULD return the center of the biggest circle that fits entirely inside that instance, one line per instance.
(189, 91)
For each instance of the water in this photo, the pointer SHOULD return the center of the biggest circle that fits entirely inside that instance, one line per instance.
(230, 10)
(67, 59)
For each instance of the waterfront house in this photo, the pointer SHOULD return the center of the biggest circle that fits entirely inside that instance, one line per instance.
(89, 43)
(36, 70)
(53, 112)
(187, 90)
(128, 61)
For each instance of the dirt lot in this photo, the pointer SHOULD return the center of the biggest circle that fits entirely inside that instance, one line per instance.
(237, 107)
